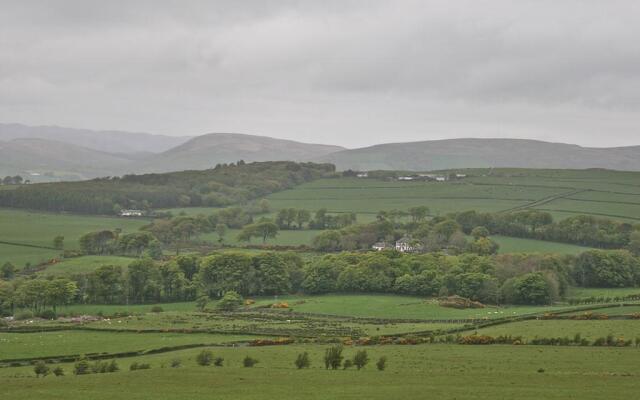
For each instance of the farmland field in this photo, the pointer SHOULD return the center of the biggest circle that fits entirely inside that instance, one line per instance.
(39, 229)
(398, 307)
(20, 255)
(563, 192)
(589, 329)
(62, 343)
(577, 292)
(442, 371)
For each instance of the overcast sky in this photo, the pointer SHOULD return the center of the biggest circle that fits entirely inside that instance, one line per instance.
(346, 72)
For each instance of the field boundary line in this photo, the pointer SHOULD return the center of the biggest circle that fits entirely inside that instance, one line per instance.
(545, 200)
(27, 245)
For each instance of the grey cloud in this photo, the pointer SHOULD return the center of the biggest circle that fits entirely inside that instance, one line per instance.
(344, 72)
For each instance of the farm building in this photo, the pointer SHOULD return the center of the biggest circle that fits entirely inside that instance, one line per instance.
(131, 213)
(404, 245)
(379, 246)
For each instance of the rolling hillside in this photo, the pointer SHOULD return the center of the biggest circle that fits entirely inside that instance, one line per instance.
(105, 141)
(206, 151)
(54, 153)
(484, 153)
(32, 158)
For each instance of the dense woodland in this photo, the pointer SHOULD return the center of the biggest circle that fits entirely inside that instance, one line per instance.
(220, 186)
(509, 278)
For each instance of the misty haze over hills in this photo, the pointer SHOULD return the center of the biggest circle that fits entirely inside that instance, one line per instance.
(55, 153)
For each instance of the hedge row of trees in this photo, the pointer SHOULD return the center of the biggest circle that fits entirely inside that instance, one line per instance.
(220, 186)
(509, 278)
(451, 233)
(112, 242)
(293, 218)
(437, 234)
(581, 229)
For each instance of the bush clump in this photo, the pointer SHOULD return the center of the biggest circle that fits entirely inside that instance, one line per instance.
(361, 359)
(333, 357)
(136, 366)
(302, 361)
(204, 358)
(41, 369)
(249, 362)
(382, 363)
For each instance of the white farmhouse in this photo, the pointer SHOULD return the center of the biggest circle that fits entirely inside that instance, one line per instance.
(379, 246)
(404, 245)
(131, 213)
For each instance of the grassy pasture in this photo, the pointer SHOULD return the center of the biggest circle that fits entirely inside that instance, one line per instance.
(604, 193)
(111, 309)
(69, 342)
(438, 371)
(393, 306)
(578, 292)
(589, 329)
(268, 323)
(20, 255)
(39, 229)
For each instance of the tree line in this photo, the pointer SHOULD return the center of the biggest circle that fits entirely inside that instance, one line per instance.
(500, 279)
(469, 231)
(582, 230)
(220, 186)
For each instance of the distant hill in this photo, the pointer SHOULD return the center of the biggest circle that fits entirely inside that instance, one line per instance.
(106, 141)
(49, 153)
(208, 150)
(38, 156)
(482, 153)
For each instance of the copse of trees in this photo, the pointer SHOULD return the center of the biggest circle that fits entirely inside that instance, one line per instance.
(220, 186)
(496, 279)
(293, 218)
(112, 242)
(37, 294)
(599, 268)
(12, 180)
(581, 229)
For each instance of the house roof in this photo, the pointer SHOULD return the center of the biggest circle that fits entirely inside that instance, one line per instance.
(404, 239)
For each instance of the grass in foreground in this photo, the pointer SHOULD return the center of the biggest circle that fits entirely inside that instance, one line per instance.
(589, 329)
(61, 343)
(428, 371)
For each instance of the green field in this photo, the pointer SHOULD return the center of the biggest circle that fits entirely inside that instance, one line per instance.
(520, 245)
(39, 229)
(578, 292)
(488, 372)
(21, 255)
(564, 192)
(62, 343)
(589, 329)
(396, 307)
(414, 372)
(110, 309)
